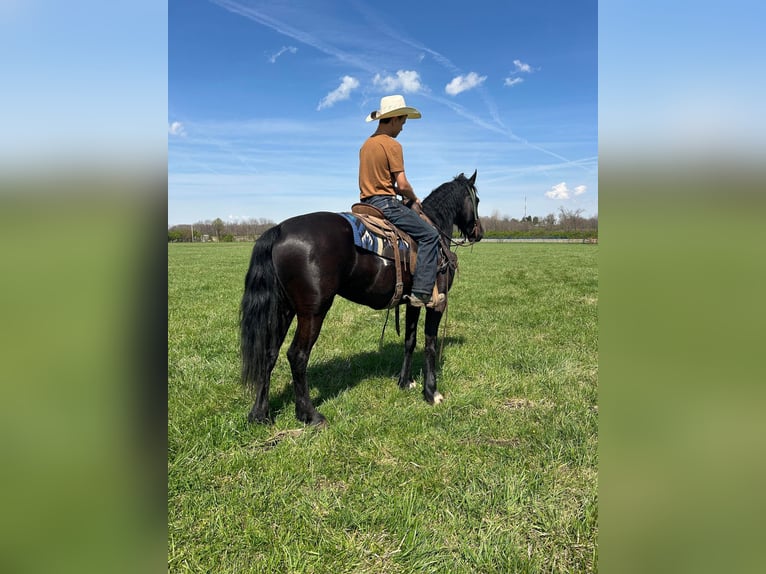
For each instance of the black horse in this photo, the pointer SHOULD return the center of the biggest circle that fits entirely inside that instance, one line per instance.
(299, 266)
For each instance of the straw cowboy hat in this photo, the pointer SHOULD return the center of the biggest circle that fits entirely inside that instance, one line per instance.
(391, 107)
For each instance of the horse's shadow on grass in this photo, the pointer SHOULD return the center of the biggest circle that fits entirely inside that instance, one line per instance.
(328, 379)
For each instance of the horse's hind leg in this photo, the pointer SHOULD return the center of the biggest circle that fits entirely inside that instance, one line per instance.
(306, 335)
(260, 412)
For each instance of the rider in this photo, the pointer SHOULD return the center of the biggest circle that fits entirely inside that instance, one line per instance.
(381, 178)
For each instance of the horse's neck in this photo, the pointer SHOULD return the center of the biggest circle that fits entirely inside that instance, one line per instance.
(444, 227)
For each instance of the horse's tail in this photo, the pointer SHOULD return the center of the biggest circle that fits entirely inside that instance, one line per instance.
(262, 313)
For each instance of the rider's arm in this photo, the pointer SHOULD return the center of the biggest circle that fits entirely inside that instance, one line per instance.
(403, 187)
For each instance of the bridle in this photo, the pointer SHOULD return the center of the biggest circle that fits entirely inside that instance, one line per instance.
(447, 238)
(475, 229)
(475, 205)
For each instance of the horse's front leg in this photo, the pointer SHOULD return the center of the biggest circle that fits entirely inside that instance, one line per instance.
(431, 395)
(410, 341)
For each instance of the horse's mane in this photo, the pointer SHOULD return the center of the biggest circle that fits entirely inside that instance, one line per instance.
(443, 203)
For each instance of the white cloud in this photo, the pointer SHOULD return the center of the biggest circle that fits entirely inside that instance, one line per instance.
(342, 92)
(176, 129)
(521, 66)
(463, 83)
(558, 191)
(561, 191)
(291, 49)
(408, 81)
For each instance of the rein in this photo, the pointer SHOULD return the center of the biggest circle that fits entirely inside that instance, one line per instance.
(447, 241)
(452, 262)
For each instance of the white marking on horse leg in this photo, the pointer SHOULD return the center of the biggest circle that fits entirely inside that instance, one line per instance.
(438, 398)
(412, 385)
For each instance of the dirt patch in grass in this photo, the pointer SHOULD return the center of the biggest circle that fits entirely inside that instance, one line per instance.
(486, 441)
(519, 403)
(274, 440)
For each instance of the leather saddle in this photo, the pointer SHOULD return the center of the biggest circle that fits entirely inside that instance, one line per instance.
(377, 224)
(398, 245)
(395, 244)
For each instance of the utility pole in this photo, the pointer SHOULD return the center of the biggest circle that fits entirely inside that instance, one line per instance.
(525, 208)
(192, 232)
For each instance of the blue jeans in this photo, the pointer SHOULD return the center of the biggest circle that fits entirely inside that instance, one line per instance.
(425, 235)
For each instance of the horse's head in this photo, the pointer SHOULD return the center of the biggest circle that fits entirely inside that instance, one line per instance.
(467, 217)
(456, 203)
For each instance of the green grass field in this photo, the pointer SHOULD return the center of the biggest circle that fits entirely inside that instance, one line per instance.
(501, 477)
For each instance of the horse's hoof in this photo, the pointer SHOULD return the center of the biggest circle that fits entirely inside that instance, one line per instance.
(315, 419)
(408, 385)
(259, 418)
(318, 421)
(438, 398)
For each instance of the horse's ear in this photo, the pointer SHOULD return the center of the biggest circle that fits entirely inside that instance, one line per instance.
(473, 177)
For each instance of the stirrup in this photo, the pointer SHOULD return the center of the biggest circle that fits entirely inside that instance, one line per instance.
(436, 301)
(430, 304)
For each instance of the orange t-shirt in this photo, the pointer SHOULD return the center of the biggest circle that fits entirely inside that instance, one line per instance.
(379, 158)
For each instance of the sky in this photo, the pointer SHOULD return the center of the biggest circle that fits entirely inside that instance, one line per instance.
(682, 82)
(84, 83)
(267, 102)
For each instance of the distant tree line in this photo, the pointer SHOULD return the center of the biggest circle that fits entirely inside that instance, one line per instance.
(565, 224)
(218, 230)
